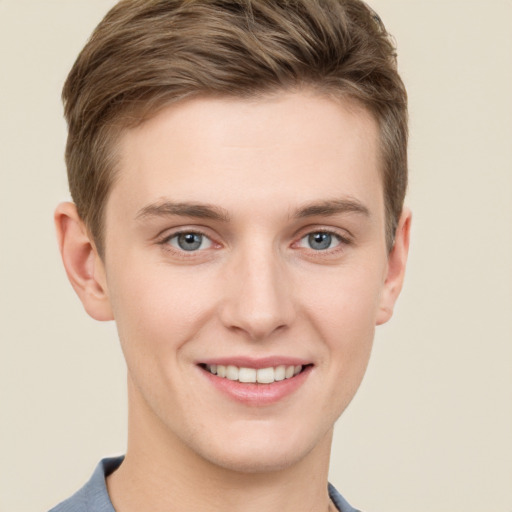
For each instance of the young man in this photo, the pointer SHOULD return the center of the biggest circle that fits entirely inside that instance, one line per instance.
(238, 170)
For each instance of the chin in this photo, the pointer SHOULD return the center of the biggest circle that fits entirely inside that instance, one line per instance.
(254, 461)
(261, 452)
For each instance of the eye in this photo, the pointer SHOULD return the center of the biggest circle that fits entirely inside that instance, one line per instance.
(320, 241)
(189, 241)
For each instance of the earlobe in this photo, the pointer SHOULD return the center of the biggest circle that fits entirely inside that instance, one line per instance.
(84, 267)
(397, 261)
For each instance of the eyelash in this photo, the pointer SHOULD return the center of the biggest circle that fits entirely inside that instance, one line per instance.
(165, 242)
(343, 242)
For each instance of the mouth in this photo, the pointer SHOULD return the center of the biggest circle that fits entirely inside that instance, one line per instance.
(246, 375)
(257, 382)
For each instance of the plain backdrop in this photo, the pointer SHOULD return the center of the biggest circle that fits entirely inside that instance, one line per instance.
(431, 427)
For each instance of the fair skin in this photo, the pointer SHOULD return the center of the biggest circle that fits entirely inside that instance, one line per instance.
(248, 234)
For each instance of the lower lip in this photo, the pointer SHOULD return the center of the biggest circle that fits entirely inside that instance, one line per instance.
(258, 394)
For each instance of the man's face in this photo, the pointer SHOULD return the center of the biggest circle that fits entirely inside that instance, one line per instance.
(247, 234)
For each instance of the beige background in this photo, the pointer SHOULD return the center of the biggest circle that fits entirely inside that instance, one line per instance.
(431, 428)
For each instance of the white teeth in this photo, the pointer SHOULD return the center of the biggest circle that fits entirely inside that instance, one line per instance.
(266, 375)
(231, 372)
(280, 372)
(247, 375)
(251, 375)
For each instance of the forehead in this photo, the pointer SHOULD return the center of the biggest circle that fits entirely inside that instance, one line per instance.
(285, 148)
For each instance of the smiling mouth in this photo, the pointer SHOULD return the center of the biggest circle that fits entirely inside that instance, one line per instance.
(242, 374)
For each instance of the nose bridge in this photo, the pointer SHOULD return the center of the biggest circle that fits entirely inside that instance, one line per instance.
(258, 299)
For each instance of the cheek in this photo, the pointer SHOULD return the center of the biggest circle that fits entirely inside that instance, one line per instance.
(344, 315)
(157, 314)
(348, 301)
(159, 310)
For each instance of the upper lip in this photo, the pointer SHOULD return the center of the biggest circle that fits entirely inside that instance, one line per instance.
(257, 363)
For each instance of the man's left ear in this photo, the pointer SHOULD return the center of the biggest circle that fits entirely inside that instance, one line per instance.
(397, 260)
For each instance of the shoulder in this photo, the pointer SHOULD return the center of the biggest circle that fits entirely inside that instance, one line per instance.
(341, 503)
(93, 496)
(76, 503)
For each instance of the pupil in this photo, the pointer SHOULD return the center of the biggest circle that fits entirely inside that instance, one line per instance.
(320, 241)
(190, 241)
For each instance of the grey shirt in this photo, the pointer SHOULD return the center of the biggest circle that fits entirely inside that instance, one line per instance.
(93, 496)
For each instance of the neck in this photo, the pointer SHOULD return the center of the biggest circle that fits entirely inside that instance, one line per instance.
(162, 474)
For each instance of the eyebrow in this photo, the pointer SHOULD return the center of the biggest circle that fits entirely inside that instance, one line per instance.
(211, 212)
(332, 207)
(185, 209)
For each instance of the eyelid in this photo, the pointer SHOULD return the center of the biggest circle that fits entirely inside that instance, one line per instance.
(169, 232)
(305, 239)
(176, 236)
(345, 240)
(343, 234)
(163, 238)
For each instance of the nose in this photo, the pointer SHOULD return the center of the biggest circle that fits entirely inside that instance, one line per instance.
(257, 294)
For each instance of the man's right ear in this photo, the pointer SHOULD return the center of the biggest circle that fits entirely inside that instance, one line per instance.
(84, 267)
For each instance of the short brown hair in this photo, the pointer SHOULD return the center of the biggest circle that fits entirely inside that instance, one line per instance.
(146, 54)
